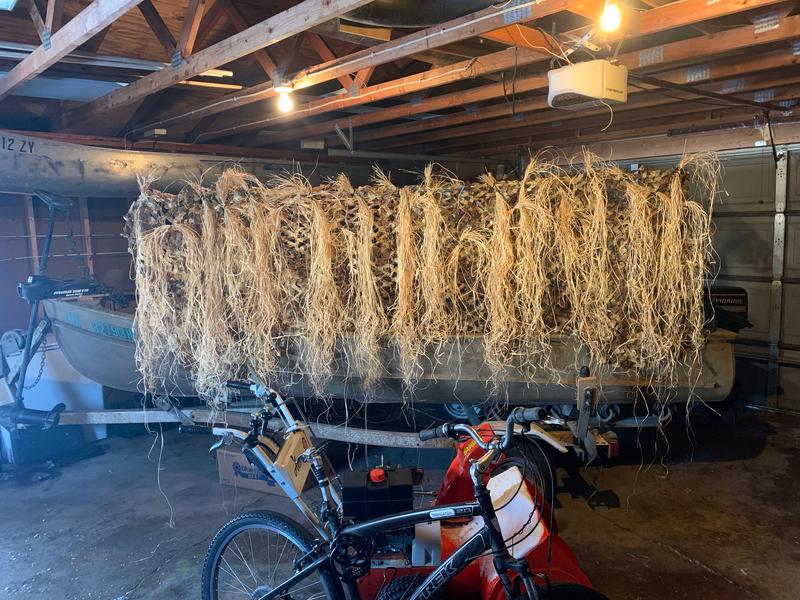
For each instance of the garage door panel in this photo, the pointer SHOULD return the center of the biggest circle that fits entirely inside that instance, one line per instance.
(792, 264)
(793, 196)
(748, 184)
(791, 314)
(744, 245)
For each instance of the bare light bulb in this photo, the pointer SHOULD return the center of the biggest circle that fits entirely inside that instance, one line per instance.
(611, 18)
(285, 102)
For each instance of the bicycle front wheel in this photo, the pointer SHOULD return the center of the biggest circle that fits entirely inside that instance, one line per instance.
(256, 551)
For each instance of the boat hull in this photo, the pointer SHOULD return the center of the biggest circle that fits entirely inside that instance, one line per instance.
(100, 344)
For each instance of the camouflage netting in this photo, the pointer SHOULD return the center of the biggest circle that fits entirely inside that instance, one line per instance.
(232, 274)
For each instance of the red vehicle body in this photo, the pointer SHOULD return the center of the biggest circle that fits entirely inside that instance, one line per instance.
(479, 581)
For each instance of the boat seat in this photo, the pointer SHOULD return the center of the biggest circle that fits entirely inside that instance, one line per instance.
(53, 200)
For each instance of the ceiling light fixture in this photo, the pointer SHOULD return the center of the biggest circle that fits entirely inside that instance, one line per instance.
(611, 17)
(284, 90)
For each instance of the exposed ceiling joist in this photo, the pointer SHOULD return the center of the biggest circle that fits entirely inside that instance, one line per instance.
(262, 55)
(38, 22)
(693, 49)
(677, 125)
(471, 25)
(212, 15)
(478, 120)
(158, 27)
(191, 25)
(54, 16)
(91, 20)
(548, 124)
(669, 53)
(325, 53)
(290, 22)
(411, 84)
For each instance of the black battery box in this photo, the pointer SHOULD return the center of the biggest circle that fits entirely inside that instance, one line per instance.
(378, 492)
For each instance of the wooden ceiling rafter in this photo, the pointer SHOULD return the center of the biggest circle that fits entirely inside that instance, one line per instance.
(441, 35)
(95, 43)
(685, 50)
(670, 106)
(475, 121)
(731, 116)
(326, 54)
(90, 21)
(38, 21)
(211, 17)
(191, 25)
(54, 15)
(158, 27)
(262, 55)
(274, 29)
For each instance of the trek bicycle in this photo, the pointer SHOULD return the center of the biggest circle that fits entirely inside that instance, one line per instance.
(262, 555)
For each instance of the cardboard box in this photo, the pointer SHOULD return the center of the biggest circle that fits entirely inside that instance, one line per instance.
(236, 471)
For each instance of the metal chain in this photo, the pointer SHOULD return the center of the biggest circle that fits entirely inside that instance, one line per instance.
(39, 374)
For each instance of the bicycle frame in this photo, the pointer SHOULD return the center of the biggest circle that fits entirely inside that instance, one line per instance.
(484, 540)
(488, 538)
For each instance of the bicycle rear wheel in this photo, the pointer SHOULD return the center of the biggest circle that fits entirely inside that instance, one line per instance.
(256, 551)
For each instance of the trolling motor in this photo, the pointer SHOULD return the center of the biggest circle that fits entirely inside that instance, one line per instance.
(39, 287)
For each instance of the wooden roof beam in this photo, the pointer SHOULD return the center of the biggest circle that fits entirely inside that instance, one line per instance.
(325, 53)
(91, 20)
(158, 27)
(191, 25)
(666, 126)
(38, 22)
(54, 16)
(412, 84)
(546, 122)
(462, 28)
(262, 55)
(674, 52)
(285, 24)
(690, 50)
(212, 15)
(475, 121)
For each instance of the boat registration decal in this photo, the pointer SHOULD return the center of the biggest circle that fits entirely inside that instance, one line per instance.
(113, 331)
(10, 144)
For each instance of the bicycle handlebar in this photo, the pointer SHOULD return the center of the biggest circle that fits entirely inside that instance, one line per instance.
(431, 434)
(518, 416)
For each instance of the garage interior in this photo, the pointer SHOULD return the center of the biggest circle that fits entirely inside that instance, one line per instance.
(357, 247)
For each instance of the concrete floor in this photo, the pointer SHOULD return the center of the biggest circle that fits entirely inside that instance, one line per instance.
(725, 524)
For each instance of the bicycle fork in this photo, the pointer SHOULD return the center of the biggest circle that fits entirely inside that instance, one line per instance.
(501, 557)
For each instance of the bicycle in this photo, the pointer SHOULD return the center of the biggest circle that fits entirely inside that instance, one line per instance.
(299, 565)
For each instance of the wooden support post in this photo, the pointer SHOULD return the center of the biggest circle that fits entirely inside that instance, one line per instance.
(87, 234)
